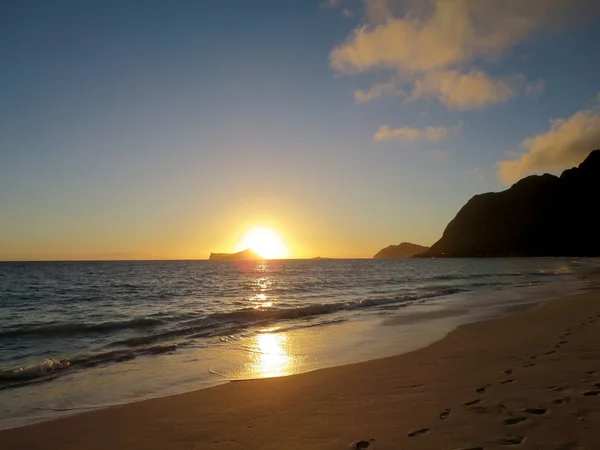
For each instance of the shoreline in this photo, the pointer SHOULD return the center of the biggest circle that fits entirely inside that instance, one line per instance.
(385, 399)
(414, 328)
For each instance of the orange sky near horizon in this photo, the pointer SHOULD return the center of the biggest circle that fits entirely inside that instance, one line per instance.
(196, 237)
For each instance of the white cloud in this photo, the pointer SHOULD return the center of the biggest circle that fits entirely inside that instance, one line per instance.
(433, 134)
(347, 13)
(446, 33)
(418, 39)
(377, 91)
(566, 144)
(466, 91)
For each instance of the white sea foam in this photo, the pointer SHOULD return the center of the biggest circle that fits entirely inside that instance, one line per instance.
(35, 370)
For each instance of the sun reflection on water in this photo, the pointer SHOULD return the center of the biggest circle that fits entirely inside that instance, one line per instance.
(261, 301)
(273, 359)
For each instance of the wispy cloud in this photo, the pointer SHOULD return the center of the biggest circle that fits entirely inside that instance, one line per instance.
(440, 40)
(432, 134)
(377, 91)
(565, 144)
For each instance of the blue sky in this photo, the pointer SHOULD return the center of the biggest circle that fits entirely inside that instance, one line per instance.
(154, 129)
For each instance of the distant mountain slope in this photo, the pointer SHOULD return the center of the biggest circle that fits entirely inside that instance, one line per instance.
(541, 215)
(244, 255)
(403, 250)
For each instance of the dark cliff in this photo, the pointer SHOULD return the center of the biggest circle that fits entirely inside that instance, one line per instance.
(541, 215)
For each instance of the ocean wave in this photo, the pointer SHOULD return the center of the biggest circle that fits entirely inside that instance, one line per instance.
(50, 369)
(542, 272)
(46, 367)
(316, 309)
(449, 277)
(217, 324)
(71, 329)
(312, 325)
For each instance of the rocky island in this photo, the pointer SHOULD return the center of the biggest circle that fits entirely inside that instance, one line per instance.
(244, 255)
(403, 250)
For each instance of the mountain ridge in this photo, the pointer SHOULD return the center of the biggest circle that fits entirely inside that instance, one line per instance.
(540, 215)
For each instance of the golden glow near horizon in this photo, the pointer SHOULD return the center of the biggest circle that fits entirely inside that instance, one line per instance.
(273, 359)
(265, 242)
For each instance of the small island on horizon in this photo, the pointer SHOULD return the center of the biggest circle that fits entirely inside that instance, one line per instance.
(402, 250)
(244, 255)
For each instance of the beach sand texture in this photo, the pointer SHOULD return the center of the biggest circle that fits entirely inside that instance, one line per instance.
(530, 380)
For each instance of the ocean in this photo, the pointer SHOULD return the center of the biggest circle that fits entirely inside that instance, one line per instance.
(76, 336)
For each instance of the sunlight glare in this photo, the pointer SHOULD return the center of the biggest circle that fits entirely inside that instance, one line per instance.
(273, 360)
(265, 242)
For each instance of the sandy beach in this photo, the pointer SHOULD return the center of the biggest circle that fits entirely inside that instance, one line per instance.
(531, 379)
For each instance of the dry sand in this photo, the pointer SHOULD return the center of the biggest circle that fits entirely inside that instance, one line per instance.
(530, 380)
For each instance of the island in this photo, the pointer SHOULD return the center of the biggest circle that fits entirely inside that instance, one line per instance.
(540, 215)
(402, 250)
(244, 255)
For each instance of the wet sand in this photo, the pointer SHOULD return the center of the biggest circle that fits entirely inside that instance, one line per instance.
(530, 380)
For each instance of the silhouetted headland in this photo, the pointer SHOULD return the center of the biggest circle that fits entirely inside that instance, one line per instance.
(540, 215)
(244, 255)
(403, 250)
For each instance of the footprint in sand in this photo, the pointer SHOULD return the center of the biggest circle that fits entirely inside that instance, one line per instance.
(591, 393)
(444, 414)
(471, 448)
(560, 401)
(563, 342)
(360, 445)
(420, 432)
(512, 440)
(507, 381)
(482, 389)
(550, 352)
(472, 402)
(508, 371)
(535, 411)
(528, 365)
(514, 420)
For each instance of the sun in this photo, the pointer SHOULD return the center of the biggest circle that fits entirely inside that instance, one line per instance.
(265, 242)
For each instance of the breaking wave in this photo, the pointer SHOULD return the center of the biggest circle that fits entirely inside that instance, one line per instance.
(71, 329)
